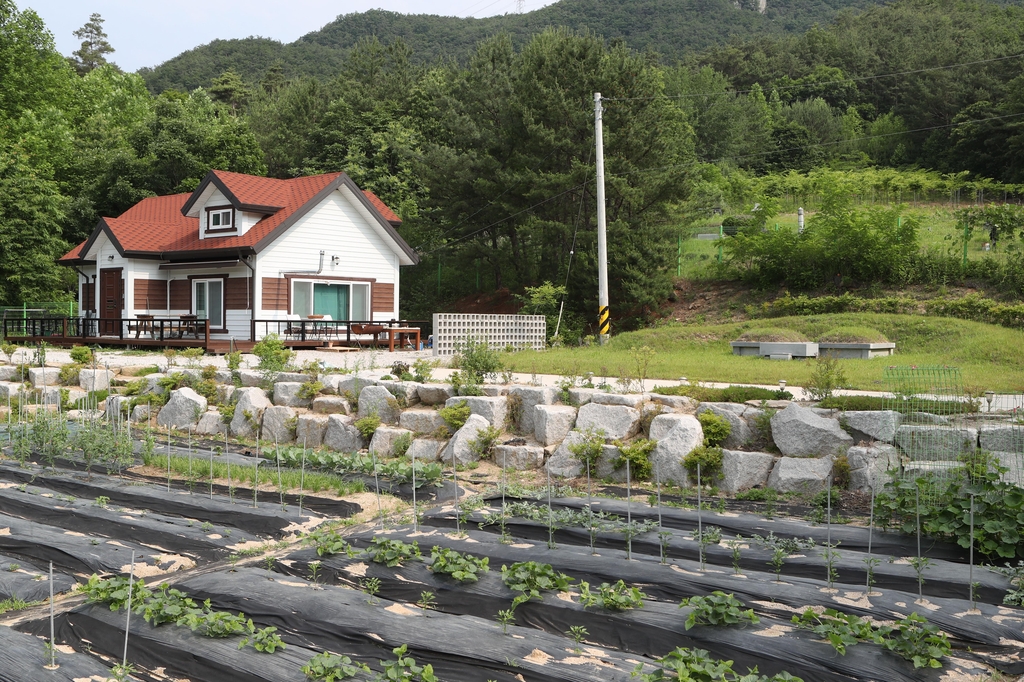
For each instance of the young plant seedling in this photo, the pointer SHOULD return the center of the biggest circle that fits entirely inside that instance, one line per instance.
(578, 634)
(506, 617)
(371, 586)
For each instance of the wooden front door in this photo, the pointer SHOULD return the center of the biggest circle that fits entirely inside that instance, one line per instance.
(111, 287)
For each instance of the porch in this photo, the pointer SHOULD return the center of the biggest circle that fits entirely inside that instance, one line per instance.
(187, 331)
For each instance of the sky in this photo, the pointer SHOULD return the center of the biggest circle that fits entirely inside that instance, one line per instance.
(149, 32)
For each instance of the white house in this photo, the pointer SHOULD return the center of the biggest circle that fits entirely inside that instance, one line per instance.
(249, 254)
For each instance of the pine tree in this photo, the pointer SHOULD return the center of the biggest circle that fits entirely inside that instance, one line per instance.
(92, 53)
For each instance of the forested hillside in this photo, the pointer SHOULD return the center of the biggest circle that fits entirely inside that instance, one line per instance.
(671, 28)
(490, 162)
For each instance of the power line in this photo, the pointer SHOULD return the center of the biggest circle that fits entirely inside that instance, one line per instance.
(854, 79)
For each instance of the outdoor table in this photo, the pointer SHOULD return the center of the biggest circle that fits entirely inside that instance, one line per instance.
(144, 325)
(399, 332)
(189, 325)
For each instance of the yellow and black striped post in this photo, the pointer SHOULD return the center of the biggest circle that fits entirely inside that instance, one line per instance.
(603, 323)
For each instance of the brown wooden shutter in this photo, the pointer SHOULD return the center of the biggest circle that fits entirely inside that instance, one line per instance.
(181, 294)
(236, 293)
(275, 293)
(383, 298)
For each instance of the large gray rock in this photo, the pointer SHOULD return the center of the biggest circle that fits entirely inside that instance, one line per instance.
(183, 409)
(803, 475)
(530, 397)
(331, 404)
(869, 466)
(627, 399)
(421, 421)
(663, 424)
(744, 470)
(617, 421)
(435, 394)
(552, 423)
(877, 425)
(153, 383)
(116, 405)
(310, 430)
(211, 423)
(250, 378)
(293, 377)
(740, 417)
(518, 456)
(493, 390)
(459, 447)
(43, 376)
(141, 413)
(406, 392)
(936, 443)
(354, 383)
(341, 435)
(331, 383)
(1014, 463)
(1002, 438)
(679, 403)
(667, 457)
(224, 393)
(491, 408)
(606, 468)
(287, 393)
(384, 439)
(249, 411)
(8, 373)
(798, 432)
(94, 379)
(562, 463)
(279, 424)
(379, 401)
(425, 450)
(581, 396)
(9, 389)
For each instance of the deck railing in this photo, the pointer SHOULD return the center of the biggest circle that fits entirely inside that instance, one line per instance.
(143, 328)
(348, 332)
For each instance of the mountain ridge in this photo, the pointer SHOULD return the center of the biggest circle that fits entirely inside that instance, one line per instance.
(670, 28)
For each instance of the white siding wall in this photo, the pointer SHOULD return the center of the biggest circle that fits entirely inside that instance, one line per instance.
(339, 228)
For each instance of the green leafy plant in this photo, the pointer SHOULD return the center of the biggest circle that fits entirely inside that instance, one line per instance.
(839, 629)
(1015, 596)
(697, 665)
(920, 564)
(216, 624)
(166, 605)
(461, 567)
(455, 416)
(265, 640)
(530, 578)
(405, 668)
(101, 501)
(614, 597)
(367, 425)
(918, 641)
(578, 634)
(401, 445)
(710, 460)
(114, 591)
(371, 586)
(588, 450)
(735, 545)
(309, 390)
(638, 454)
(327, 667)
(484, 440)
(391, 553)
(827, 377)
(716, 428)
(233, 360)
(717, 608)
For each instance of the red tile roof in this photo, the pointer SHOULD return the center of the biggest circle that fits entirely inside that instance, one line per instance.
(156, 225)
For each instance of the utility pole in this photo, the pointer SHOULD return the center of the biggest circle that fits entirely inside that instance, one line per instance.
(603, 324)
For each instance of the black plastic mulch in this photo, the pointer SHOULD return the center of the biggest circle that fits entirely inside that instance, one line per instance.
(942, 578)
(267, 519)
(460, 648)
(22, 658)
(990, 627)
(651, 631)
(25, 581)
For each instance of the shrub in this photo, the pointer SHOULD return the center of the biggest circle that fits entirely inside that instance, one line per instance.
(716, 428)
(68, 375)
(589, 450)
(233, 360)
(455, 416)
(828, 375)
(422, 370)
(484, 441)
(841, 472)
(273, 355)
(367, 425)
(479, 360)
(81, 355)
(710, 460)
(638, 454)
(310, 389)
(401, 445)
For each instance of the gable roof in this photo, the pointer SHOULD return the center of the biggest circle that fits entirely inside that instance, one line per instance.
(159, 227)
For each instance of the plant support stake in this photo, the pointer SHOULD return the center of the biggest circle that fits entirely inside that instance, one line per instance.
(629, 515)
(455, 478)
(302, 476)
(970, 574)
(871, 529)
(128, 616)
(415, 526)
(700, 524)
(53, 644)
(917, 512)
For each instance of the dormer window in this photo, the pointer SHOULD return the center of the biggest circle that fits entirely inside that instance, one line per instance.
(220, 219)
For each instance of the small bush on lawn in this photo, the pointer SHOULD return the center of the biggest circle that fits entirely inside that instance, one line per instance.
(81, 355)
(716, 428)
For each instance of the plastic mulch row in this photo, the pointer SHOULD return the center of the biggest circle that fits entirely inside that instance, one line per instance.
(22, 658)
(27, 582)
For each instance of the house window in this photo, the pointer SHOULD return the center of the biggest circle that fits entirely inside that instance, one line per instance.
(208, 295)
(340, 300)
(220, 219)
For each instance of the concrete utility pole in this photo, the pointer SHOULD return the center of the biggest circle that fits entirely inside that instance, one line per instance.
(602, 240)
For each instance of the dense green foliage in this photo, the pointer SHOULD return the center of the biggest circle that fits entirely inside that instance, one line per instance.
(670, 28)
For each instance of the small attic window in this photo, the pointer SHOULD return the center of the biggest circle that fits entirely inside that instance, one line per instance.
(220, 218)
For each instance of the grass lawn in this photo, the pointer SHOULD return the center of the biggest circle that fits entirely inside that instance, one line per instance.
(990, 357)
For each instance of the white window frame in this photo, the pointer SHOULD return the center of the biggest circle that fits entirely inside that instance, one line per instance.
(221, 214)
(335, 282)
(220, 281)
